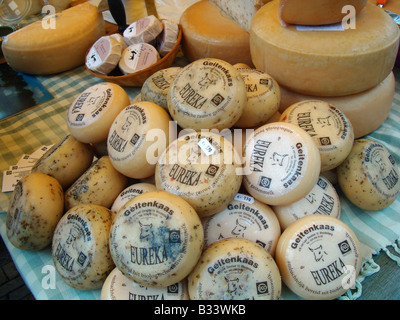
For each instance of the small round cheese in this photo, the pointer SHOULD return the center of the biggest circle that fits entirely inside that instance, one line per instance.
(235, 269)
(329, 127)
(144, 30)
(322, 199)
(100, 184)
(119, 287)
(35, 208)
(203, 168)
(282, 163)
(263, 98)
(166, 40)
(155, 88)
(137, 137)
(369, 177)
(91, 114)
(66, 161)
(80, 247)
(156, 239)
(131, 192)
(244, 217)
(104, 55)
(138, 57)
(207, 94)
(120, 39)
(318, 257)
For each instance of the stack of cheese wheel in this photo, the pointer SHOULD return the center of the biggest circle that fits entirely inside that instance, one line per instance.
(347, 61)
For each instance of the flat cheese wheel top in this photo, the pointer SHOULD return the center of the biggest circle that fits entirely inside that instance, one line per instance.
(369, 177)
(318, 257)
(235, 269)
(201, 167)
(156, 239)
(131, 192)
(329, 127)
(282, 163)
(244, 217)
(207, 94)
(119, 287)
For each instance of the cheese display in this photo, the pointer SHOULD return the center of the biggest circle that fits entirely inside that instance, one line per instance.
(104, 55)
(318, 257)
(42, 50)
(319, 12)
(119, 287)
(156, 239)
(138, 136)
(144, 30)
(263, 98)
(322, 199)
(235, 269)
(366, 110)
(92, 112)
(282, 163)
(138, 57)
(166, 40)
(369, 177)
(100, 184)
(330, 129)
(203, 168)
(35, 208)
(244, 217)
(209, 33)
(66, 161)
(207, 94)
(325, 63)
(155, 88)
(80, 247)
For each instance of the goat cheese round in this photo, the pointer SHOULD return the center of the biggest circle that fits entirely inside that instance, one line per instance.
(318, 257)
(137, 57)
(36, 206)
(327, 125)
(203, 168)
(119, 287)
(104, 55)
(80, 247)
(156, 239)
(235, 269)
(244, 217)
(167, 39)
(369, 177)
(144, 30)
(282, 163)
(207, 94)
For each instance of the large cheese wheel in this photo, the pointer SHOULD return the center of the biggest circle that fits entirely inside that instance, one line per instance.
(209, 33)
(43, 48)
(317, 12)
(325, 63)
(366, 110)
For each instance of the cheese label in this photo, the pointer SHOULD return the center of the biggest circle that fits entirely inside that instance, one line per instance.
(244, 198)
(98, 53)
(206, 147)
(329, 27)
(258, 83)
(137, 57)
(137, 27)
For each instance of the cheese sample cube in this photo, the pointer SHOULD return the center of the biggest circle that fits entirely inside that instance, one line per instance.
(319, 257)
(203, 168)
(369, 177)
(92, 112)
(325, 63)
(156, 239)
(36, 206)
(80, 247)
(209, 33)
(55, 44)
(235, 269)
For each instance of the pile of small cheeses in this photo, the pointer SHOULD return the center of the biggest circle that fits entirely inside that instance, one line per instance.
(202, 189)
(142, 44)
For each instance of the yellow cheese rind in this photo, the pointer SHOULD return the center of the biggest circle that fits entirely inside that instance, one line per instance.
(35, 208)
(319, 257)
(80, 247)
(131, 192)
(38, 50)
(369, 177)
(156, 239)
(235, 269)
(325, 63)
(66, 161)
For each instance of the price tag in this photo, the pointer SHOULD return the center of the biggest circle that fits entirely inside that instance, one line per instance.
(206, 146)
(244, 198)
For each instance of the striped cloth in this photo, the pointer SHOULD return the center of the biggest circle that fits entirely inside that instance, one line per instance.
(46, 124)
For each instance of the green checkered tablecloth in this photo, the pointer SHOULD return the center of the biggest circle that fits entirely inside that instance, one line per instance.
(46, 124)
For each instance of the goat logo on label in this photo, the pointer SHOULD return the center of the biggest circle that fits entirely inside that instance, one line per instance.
(318, 252)
(146, 231)
(239, 229)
